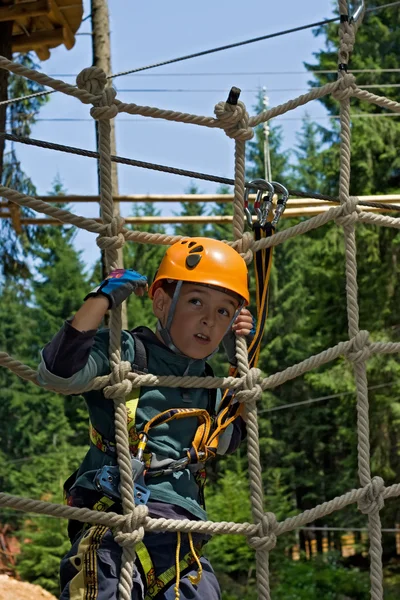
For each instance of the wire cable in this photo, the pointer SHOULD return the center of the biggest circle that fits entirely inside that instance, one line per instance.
(244, 73)
(220, 48)
(173, 170)
(330, 397)
(246, 42)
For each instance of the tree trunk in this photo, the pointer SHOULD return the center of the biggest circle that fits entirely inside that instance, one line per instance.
(101, 49)
(5, 50)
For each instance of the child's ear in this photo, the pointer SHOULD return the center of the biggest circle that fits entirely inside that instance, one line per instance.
(160, 303)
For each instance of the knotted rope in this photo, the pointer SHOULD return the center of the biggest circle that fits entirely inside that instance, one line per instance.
(234, 120)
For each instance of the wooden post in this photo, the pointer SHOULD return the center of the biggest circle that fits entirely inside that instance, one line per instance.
(5, 50)
(102, 58)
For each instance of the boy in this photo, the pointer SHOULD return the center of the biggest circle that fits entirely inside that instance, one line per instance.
(198, 295)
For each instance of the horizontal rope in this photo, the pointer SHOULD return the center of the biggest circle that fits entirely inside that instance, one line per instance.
(113, 520)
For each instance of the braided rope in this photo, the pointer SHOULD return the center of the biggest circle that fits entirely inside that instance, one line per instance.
(129, 527)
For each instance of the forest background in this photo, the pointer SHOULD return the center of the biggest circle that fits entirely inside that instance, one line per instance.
(309, 452)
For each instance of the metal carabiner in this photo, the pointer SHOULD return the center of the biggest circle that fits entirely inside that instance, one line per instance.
(266, 206)
(358, 12)
(282, 201)
(261, 185)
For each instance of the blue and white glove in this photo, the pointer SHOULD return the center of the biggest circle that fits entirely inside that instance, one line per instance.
(120, 284)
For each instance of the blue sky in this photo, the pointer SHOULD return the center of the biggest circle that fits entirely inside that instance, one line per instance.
(146, 33)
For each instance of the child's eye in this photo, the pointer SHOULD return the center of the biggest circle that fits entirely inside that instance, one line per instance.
(224, 311)
(195, 301)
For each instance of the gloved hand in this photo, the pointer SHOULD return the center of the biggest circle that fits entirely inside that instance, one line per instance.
(120, 284)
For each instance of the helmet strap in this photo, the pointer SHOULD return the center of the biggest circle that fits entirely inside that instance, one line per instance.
(165, 332)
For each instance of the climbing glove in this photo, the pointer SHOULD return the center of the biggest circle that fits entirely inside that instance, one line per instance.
(120, 284)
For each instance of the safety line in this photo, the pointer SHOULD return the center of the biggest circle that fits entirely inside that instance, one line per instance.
(175, 171)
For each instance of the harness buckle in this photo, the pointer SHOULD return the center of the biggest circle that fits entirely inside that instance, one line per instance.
(108, 480)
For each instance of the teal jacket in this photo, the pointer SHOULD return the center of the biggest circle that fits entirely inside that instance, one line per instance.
(167, 442)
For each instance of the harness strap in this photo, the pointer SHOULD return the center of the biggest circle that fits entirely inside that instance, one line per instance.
(156, 583)
(109, 446)
(263, 262)
(202, 433)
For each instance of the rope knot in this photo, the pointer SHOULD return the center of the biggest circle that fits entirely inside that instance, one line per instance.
(234, 120)
(132, 530)
(253, 390)
(118, 390)
(246, 247)
(105, 108)
(347, 34)
(266, 540)
(112, 238)
(93, 80)
(350, 210)
(359, 348)
(346, 87)
(371, 501)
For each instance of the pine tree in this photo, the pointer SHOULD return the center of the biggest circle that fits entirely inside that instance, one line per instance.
(192, 209)
(144, 258)
(21, 116)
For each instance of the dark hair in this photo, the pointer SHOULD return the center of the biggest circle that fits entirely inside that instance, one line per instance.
(168, 287)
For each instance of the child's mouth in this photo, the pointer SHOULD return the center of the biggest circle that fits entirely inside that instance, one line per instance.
(201, 338)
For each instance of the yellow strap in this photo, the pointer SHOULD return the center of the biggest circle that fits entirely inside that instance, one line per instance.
(98, 439)
(195, 579)
(156, 583)
(177, 565)
(177, 413)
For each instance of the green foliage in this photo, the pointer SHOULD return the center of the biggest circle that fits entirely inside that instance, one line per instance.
(319, 578)
(144, 258)
(14, 250)
(309, 452)
(44, 543)
(192, 209)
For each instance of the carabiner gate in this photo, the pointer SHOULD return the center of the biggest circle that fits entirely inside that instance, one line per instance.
(358, 12)
(260, 204)
(282, 201)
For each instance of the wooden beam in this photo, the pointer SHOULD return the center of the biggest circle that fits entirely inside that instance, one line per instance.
(15, 214)
(43, 53)
(55, 12)
(162, 220)
(215, 198)
(37, 39)
(12, 12)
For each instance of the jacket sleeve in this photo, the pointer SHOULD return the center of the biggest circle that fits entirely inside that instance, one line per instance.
(73, 358)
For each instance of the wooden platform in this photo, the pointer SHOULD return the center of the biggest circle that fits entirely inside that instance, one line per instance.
(41, 25)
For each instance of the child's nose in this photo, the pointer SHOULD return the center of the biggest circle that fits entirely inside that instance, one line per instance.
(208, 319)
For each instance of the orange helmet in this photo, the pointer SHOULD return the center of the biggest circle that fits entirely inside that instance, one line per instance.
(206, 261)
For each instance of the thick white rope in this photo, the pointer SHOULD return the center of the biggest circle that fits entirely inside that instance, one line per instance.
(129, 528)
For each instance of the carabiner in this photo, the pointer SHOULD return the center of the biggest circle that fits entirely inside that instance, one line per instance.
(358, 12)
(261, 185)
(282, 201)
(266, 206)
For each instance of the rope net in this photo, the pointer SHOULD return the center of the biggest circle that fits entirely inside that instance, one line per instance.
(261, 534)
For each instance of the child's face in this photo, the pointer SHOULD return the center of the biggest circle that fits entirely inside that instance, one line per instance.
(202, 317)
